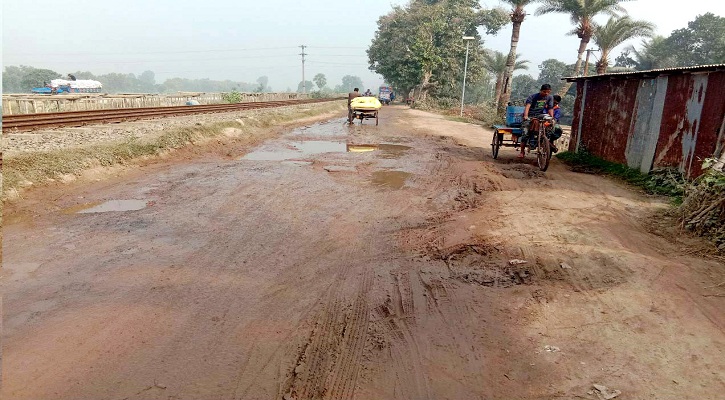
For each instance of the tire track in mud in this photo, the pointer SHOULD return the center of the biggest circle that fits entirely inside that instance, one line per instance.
(328, 364)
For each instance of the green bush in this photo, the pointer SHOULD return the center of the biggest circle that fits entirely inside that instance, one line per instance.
(232, 97)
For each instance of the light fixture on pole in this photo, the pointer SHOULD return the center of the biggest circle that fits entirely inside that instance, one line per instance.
(465, 69)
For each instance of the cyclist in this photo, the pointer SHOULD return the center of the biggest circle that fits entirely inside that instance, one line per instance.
(536, 104)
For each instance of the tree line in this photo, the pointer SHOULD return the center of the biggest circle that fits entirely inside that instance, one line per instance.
(418, 48)
(20, 79)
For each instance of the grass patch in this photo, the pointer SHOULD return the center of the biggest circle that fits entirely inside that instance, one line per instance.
(34, 168)
(664, 182)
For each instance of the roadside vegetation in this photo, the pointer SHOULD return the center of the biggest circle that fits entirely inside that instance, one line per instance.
(665, 182)
(703, 208)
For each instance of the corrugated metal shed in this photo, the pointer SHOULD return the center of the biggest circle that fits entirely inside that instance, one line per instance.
(671, 117)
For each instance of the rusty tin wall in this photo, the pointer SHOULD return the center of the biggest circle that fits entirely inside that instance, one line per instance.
(651, 122)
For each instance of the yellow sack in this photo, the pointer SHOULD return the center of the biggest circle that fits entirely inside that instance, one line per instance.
(365, 104)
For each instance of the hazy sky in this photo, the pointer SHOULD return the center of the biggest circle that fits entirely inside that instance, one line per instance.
(242, 40)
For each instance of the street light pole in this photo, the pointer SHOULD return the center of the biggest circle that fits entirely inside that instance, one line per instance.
(465, 70)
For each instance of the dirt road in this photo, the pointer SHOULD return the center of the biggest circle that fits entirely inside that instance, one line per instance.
(362, 262)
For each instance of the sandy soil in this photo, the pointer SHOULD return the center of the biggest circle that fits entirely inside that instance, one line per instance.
(322, 267)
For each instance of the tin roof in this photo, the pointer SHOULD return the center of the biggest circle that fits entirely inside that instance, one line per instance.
(649, 73)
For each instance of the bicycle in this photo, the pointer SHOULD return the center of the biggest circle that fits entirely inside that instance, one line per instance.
(543, 125)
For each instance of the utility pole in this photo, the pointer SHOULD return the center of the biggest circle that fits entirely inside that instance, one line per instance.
(465, 69)
(586, 63)
(303, 54)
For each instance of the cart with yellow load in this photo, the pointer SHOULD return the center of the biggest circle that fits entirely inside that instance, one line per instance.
(363, 108)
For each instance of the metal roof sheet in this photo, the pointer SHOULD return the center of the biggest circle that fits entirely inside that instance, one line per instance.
(661, 71)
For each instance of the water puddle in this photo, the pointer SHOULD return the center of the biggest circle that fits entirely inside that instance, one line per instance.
(389, 179)
(392, 150)
(301, 149)
(386, 150)
(107, 206)
(298, 149)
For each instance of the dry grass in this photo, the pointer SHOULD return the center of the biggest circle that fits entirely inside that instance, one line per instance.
(36, 168)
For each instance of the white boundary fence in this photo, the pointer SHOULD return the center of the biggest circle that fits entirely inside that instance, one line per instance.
(40, 103)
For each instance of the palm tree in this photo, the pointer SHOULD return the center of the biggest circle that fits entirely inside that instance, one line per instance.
(615, 32)
(517, 17)
(496, 62)
(581, 13)
(653, 54)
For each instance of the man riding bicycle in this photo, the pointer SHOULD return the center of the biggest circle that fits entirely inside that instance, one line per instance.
(536, 104)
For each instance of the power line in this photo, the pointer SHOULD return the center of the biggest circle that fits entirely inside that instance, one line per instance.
(76, 61)
(157, 52)
(335, 47)
(334, 63)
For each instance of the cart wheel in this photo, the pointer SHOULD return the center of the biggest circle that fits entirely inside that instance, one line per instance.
(496, 143)
(376, 118)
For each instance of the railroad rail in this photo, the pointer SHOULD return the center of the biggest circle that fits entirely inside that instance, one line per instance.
(30, 122)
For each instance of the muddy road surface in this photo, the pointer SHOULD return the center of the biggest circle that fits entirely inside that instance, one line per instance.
(363, 262)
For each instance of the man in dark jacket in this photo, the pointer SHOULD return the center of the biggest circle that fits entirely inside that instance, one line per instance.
(355, 93)
(536, 104)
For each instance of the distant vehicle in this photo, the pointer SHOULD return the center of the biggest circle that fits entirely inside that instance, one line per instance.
(60, 86)
(384, 94)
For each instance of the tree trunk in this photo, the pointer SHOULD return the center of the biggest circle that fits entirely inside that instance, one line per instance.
(582, 48)
(517, 17)
(602, 65)
(497, 93)
(425, 85)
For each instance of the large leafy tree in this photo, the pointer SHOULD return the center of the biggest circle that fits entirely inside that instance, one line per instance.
(581, 13)
(517, 17)
(420, 46)
(263, 82)
(616, 31)
(308, 85)
(23, 78)
(653, 53)
(702, 42)
(320, 80)
(522, 86)
(349, 82)
(496, 62)
(551, 72)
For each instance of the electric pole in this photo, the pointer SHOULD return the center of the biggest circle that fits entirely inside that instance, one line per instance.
(586, 63)
(303, 54)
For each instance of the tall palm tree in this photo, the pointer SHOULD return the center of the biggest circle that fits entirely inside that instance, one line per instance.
(581, 13)
(496, 62)
(615, 32)
(517, 17)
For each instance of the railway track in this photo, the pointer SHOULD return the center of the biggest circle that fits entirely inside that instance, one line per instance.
(30, 122)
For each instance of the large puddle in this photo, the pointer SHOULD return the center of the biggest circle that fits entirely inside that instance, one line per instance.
(302, 149)
(389, 179)
(108, 206)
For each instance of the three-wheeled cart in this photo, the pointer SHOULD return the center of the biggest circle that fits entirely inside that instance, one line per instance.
(508, 135)
(363, 108)
(362, 114)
